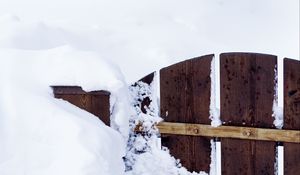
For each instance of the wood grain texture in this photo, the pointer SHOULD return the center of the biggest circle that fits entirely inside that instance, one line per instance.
(95, 102)
(247, 94)
(291, 114)
(185, 97)
(248, 133)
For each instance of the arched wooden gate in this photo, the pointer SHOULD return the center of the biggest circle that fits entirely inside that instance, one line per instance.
(247, 82)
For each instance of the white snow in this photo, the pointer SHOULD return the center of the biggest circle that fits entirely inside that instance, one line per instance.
(279, 166)
(213, 157)
(278, 115)
(144, 155)
(44, 135)
(214, 112)
(277, 110)
(141, 36)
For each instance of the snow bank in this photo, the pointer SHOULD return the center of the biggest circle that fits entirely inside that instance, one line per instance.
(43, 135)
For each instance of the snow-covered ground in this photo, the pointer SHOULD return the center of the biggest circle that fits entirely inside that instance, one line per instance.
(108, 45)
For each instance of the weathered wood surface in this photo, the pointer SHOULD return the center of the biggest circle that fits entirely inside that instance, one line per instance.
(247, 92)
(248, 133)
(291, 114)
(185, 97)
(95, 102)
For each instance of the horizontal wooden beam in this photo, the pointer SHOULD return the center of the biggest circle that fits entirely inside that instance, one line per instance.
(230, 132)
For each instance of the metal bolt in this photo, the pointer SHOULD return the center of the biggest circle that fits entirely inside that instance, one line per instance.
(196, 130)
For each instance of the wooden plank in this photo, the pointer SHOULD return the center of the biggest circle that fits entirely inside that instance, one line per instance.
(247, 94)
(185, 97)
(248, 133)
(95, 102)
(173, 106)
(291, 114)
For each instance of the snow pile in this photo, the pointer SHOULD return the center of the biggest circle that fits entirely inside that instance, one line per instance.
(43, 135)
(144, 153)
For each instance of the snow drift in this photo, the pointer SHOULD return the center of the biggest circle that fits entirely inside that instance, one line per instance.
(43, 135)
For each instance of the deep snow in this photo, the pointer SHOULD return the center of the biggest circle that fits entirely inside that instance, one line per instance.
(44, 135)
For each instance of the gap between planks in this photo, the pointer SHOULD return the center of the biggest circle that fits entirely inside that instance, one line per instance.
(237, 132)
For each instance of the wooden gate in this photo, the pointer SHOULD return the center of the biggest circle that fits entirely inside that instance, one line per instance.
(249, 138)
(247, 91)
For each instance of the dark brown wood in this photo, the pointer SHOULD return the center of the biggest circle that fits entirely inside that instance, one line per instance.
(247, 94)
(148, 78)
(185, 97)
(291, 114)
(95, 102)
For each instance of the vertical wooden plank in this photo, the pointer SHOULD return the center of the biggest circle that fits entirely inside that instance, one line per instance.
(198, 112)
(291, 114)
(185, 97)
(247, 94)
(173, 107)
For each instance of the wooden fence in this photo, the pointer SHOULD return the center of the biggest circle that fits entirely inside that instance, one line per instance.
(248, 136)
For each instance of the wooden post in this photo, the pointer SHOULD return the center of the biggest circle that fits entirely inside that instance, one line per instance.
(247, 94)
(291, 114)
(185, 97)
